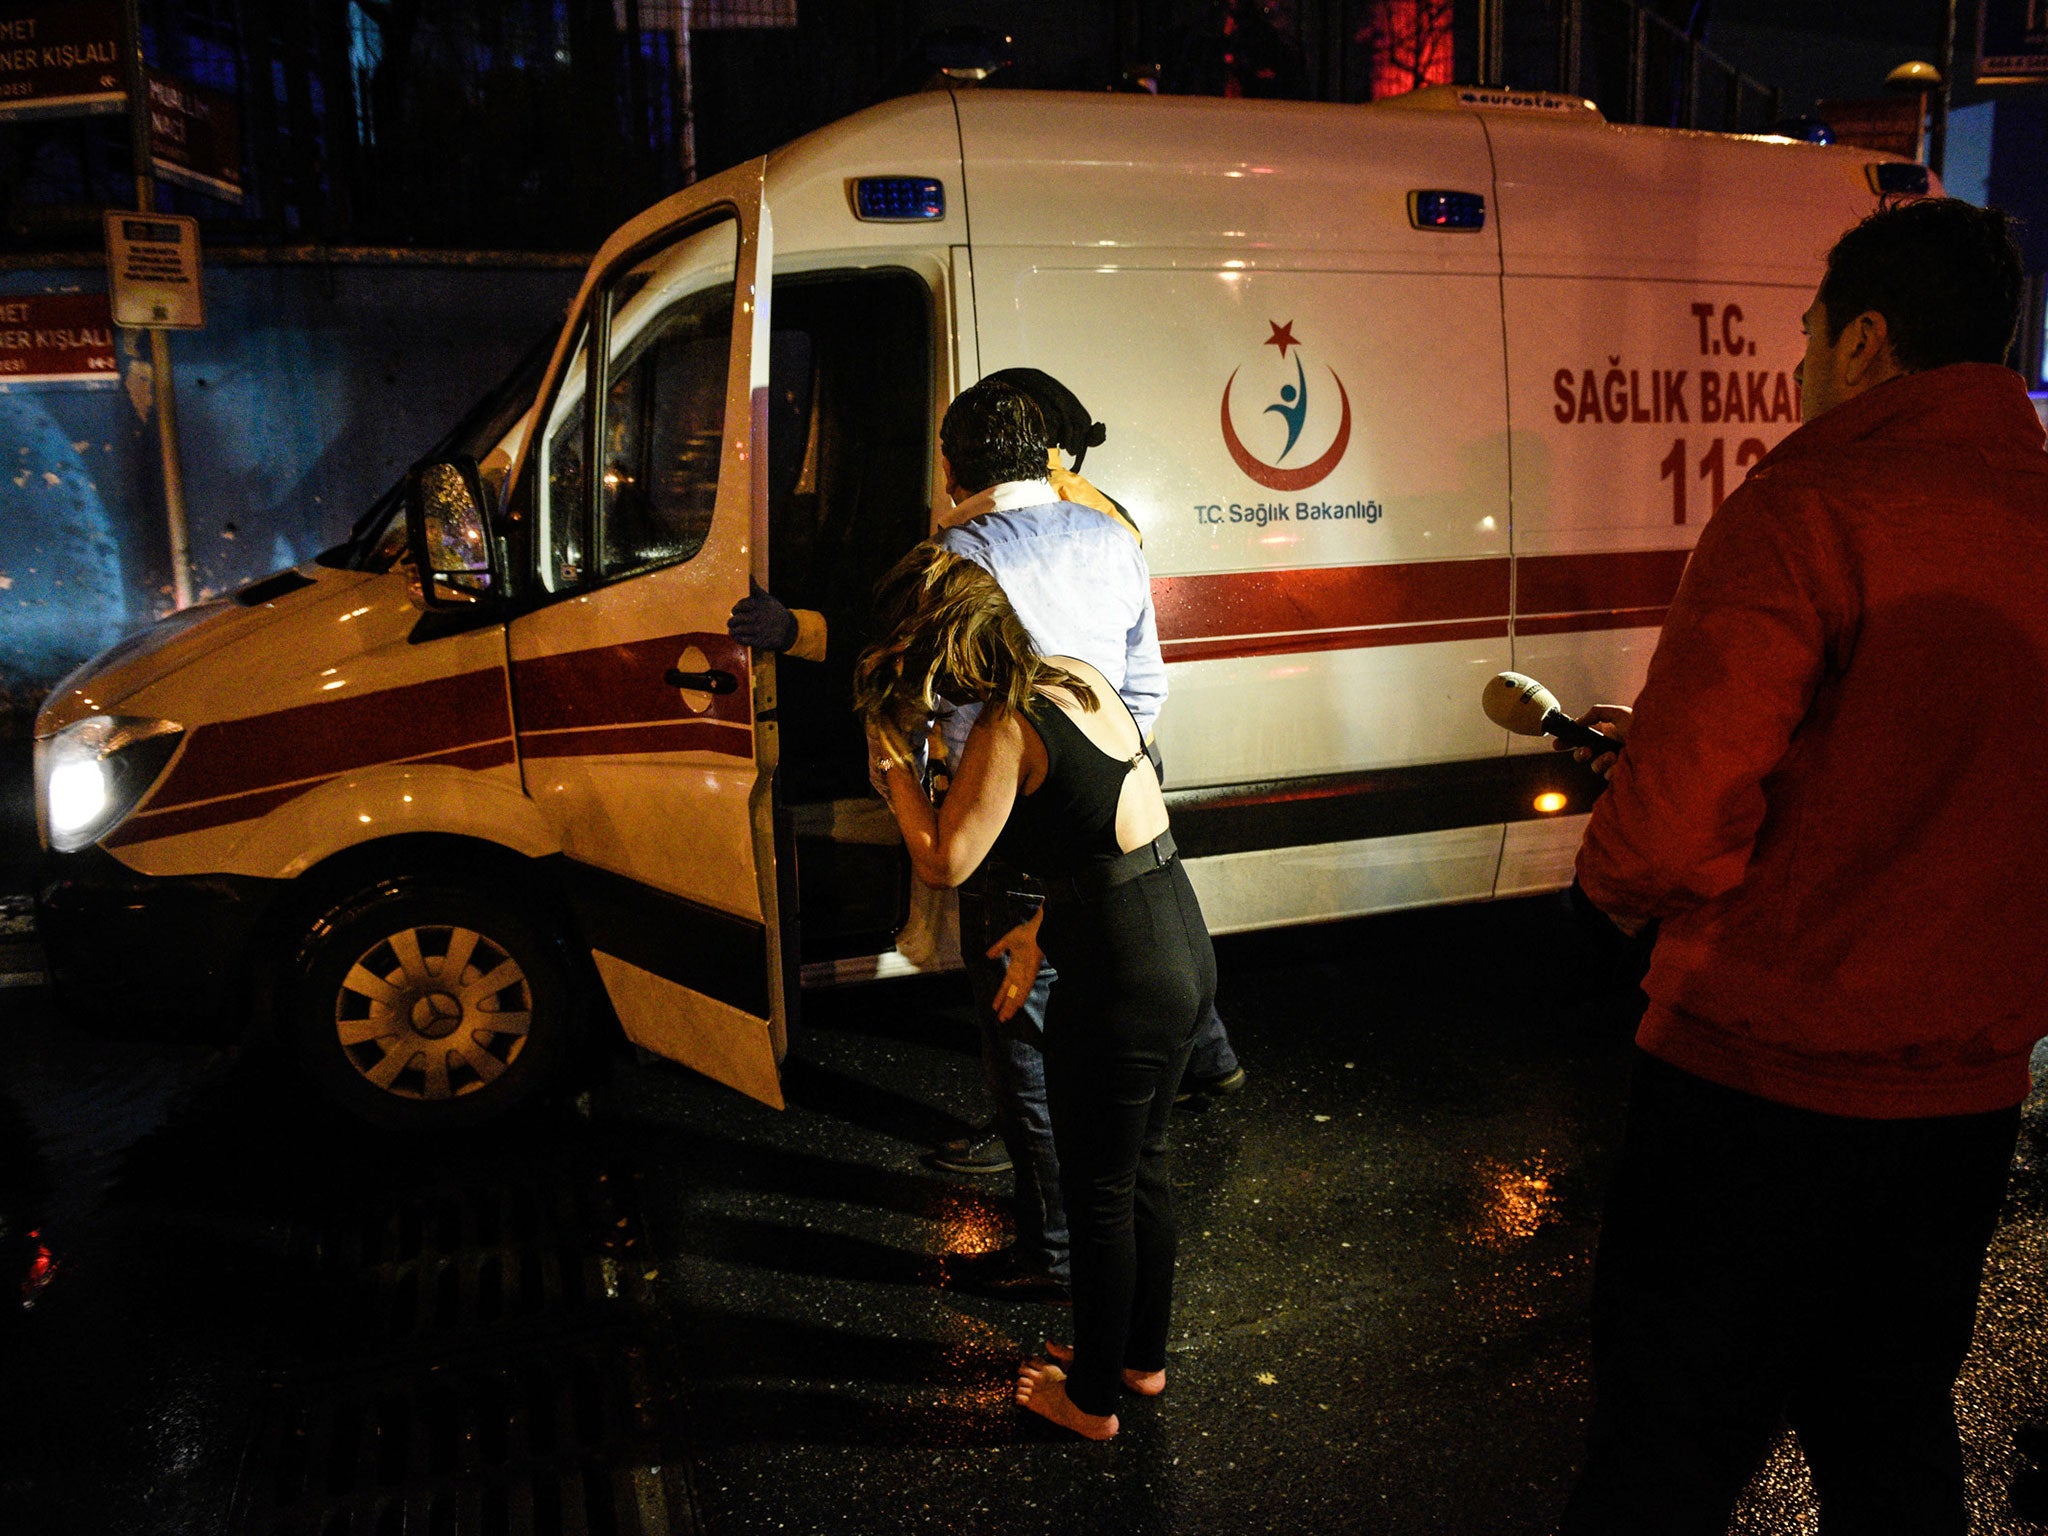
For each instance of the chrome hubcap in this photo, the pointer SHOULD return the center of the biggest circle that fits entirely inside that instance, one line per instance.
(433, 1012)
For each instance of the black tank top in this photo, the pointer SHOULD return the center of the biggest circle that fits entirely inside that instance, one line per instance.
(1070, 819)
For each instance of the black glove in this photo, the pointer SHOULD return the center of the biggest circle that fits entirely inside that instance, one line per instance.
(761, 620)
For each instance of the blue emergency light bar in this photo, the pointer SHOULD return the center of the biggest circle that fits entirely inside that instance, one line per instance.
(899, 199)
(1447, 210)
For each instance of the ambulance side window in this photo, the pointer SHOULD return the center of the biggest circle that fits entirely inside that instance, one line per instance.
(567, 493)
(664, 425)
(668, 325)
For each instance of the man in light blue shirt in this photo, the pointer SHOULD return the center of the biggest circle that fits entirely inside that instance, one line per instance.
(1080, 584)
(1076, 579)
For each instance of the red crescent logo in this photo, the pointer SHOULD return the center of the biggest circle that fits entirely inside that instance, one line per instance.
(1272, 477)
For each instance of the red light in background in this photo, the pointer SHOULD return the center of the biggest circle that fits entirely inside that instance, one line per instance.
(42, 1269)
(1410, 42)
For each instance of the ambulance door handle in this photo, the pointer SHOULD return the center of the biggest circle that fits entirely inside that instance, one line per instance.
(701, 682)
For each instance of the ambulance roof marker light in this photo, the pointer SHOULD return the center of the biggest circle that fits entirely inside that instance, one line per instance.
(898, 199)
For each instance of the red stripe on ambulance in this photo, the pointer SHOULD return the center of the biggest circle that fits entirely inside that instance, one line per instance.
(652, 736)
(623, 685)
(169, 821)
(1592, 584)
(1326, 608)
(318, 741)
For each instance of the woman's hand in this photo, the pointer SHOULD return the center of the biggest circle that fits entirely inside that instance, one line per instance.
(1020, 944)
(885, 752)
(947, 842)
(1616, 719)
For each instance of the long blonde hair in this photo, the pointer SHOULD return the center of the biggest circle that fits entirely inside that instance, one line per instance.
(946, 628)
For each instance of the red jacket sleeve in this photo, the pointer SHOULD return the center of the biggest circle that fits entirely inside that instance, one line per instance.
(1744, 647)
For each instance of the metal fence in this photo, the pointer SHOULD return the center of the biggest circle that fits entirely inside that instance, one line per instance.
(1639, 66)
(495, 124)
(539, 125)
(1643, 69)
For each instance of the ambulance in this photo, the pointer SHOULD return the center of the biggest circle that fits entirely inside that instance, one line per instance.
(1401, 395)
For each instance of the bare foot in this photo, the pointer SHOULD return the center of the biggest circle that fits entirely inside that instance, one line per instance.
(1144, 1383)
(1043, 1389)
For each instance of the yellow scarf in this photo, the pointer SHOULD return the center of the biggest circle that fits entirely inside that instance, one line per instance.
(1072, 487)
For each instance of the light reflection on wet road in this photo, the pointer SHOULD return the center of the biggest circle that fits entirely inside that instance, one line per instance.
(682, 1311)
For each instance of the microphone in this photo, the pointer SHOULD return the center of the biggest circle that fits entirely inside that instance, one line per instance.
(1524, 706)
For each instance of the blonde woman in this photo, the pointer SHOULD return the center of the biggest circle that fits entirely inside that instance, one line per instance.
(1054, 775)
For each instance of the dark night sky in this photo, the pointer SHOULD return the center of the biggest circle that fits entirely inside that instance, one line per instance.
(1816, 48)
(1910, 21)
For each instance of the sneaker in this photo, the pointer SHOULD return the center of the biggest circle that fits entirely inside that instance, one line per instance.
(1211, 1087)
(973, 1154)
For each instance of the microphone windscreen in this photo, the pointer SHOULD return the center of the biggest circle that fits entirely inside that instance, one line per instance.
(1517, 703)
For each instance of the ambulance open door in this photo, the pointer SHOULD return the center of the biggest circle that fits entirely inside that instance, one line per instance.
(647, 737)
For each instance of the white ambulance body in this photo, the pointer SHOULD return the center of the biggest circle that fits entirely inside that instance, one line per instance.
(1401, 396)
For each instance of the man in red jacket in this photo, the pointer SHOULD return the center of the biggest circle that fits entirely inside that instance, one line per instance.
(1833, 802)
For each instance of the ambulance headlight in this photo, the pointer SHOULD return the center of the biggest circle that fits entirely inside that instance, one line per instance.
(96, 770)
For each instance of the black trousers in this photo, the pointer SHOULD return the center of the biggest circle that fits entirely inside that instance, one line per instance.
(1761, 1264)
(1137, 975)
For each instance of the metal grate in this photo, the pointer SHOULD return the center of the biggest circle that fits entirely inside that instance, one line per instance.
(717, 15)
(537, 1450)
(468, 1361)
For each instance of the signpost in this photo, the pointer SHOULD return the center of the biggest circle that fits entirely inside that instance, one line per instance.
(2012, 42)
(153, 271)
(71, 58)
(60, 58)
(136, 75)
(56, 338)
(194, 136)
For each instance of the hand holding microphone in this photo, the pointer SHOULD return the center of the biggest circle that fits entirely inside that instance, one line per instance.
(1524, 706)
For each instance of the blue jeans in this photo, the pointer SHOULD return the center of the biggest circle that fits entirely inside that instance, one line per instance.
(1213, 1057)
(1013, 1064)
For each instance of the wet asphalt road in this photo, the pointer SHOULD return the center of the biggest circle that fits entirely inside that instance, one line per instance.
(667, 1308)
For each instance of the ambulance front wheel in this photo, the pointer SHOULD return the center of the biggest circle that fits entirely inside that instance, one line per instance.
(425, 1006)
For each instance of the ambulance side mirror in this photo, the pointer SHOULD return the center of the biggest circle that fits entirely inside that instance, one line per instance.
(447, 529)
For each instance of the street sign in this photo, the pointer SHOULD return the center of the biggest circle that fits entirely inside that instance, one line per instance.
(153, 270)
(60, 58)
(56, 338)
(194, 136)
(2012, 41)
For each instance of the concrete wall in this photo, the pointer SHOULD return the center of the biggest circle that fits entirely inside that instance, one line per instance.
(310, 391)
